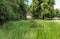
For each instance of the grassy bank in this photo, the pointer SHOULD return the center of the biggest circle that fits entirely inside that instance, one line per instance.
(30, 29)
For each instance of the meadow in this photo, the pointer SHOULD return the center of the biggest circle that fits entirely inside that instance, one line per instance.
(30, 29)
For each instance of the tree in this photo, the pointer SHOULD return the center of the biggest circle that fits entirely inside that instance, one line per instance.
(42, 8)
(12, 9)
(57, 11)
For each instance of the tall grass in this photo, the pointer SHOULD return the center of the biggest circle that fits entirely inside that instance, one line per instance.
(30, 29)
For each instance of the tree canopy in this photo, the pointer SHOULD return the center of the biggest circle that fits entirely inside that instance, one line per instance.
(12, 9)
(42, 8)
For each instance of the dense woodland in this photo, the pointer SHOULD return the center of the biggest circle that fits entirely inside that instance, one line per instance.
(17, 9)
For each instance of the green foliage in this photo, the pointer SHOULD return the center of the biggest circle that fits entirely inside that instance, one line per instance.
(23, 30)
(57, 11)
(42, 8)
(12, 9)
